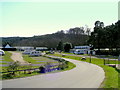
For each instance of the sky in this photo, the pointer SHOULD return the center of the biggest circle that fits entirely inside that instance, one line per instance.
(26, 19)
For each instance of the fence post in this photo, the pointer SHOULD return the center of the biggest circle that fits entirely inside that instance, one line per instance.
(90, 58)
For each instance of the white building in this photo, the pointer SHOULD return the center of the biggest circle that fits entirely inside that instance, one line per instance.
(41, 48)
(23, 48)
(82, 50)
(7, 46)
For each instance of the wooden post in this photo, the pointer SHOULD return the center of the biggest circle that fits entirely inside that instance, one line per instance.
(90, 57)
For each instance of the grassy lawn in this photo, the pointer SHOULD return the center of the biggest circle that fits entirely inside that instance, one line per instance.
(3, 62)
(20, 74)
(93, 60)
(102, 56)
(111, 74)
(73, 54)
(34, 60)
(30, 60)
(70, 66)
(6, 58)
(111, 77)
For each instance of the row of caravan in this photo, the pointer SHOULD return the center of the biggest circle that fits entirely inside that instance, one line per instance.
(32, 53)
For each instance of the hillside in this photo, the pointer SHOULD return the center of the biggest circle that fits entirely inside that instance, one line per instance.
(48, 40)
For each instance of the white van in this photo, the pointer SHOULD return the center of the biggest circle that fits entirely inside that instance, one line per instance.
(35, 53)
(2, 52)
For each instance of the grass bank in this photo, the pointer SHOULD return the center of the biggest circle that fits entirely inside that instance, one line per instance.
(6, 58)
(21, 74)
(38, 60)
(111, 74)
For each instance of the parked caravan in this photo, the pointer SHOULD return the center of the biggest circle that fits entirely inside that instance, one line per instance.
(2, 53)
(27, 52)
(79, 51)
(35, 53)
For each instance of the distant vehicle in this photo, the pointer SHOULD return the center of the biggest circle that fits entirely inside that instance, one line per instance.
(83, 58)
(50, 52)
(2, 53)
(35, 53)
(27, 52)
(79, 52)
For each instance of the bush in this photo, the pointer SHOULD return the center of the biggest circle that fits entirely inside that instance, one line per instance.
(13, 67)
(107, 52)
(7, 76)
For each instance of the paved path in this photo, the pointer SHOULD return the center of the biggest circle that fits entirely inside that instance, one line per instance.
(84, 75)
(16, 56)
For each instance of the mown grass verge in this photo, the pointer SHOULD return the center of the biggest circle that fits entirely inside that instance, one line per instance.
(21, 74)
(7, 56)
(34, 60)
(29, 59)
(111, 74)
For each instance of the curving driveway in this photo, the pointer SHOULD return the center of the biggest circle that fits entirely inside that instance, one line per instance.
(84, 75)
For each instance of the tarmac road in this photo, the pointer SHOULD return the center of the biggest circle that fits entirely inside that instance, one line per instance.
(84, 75)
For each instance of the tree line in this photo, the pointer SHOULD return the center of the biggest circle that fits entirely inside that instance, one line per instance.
(106, 37)
(76, 36)
(100, 38)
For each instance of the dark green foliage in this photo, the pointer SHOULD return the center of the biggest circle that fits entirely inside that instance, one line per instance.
(60, 46)
(13, 66)
(7, 76)
(106, 37)
(76, 36)
(67, 47)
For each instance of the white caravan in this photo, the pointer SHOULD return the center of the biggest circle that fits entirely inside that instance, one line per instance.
(2, 52)
(35, 53)
(27, 52)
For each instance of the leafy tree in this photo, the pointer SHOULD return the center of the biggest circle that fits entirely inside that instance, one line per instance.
(14, 66)
(88, 31)
(106, 37)
(60, 46)
(67, 47)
